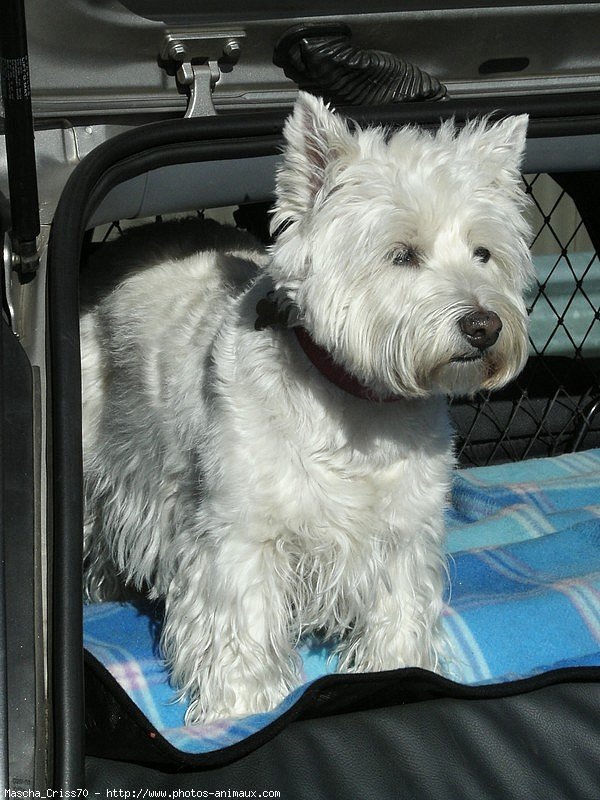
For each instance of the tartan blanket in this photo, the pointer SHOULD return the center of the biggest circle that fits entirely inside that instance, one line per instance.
(524, 595)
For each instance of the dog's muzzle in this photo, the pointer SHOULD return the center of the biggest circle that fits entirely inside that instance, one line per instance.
(480, 328)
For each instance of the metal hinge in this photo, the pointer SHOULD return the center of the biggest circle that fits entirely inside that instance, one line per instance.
(200, 58)
(8, 264)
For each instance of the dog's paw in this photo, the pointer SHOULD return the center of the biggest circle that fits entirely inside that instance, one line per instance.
(232, 704)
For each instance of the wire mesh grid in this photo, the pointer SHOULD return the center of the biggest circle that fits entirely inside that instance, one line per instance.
(552, 407)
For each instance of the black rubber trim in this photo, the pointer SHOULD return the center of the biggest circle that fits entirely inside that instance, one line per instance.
(550, 116)
(117, 729)
(130, 153)
(322, 58)
(542, 745)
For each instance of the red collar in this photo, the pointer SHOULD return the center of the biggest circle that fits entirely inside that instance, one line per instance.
(323, 361)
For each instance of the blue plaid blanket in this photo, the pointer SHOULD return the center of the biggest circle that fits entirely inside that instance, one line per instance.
(524, 595)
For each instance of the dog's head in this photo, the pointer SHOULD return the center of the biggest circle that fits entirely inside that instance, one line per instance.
(407, 253)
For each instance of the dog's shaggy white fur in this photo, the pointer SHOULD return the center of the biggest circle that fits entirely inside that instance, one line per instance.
(227, 474)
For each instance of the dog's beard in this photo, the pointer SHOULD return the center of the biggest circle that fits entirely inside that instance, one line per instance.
(415, 360)
(403, 336)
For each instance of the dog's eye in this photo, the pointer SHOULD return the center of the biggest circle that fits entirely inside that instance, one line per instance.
(404, 256)
(482, 254)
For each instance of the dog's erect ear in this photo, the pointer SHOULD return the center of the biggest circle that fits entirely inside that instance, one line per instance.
(499, 147)
(508, 139)
(315, 138)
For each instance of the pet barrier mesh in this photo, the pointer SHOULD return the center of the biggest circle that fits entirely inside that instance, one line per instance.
(552, 407)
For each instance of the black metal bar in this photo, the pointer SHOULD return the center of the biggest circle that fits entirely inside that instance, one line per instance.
(108, 165)
(3, 639)
(18, 126)
(23, 673)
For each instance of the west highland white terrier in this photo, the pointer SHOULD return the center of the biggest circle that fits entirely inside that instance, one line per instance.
(277, 472)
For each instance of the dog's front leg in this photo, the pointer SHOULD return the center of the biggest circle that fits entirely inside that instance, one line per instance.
(227, 632)
(401, 625)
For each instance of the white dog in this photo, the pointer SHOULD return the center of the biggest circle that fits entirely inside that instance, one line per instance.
(275, 477)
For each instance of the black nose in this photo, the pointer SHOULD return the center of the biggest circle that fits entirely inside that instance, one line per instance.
(481, 328)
